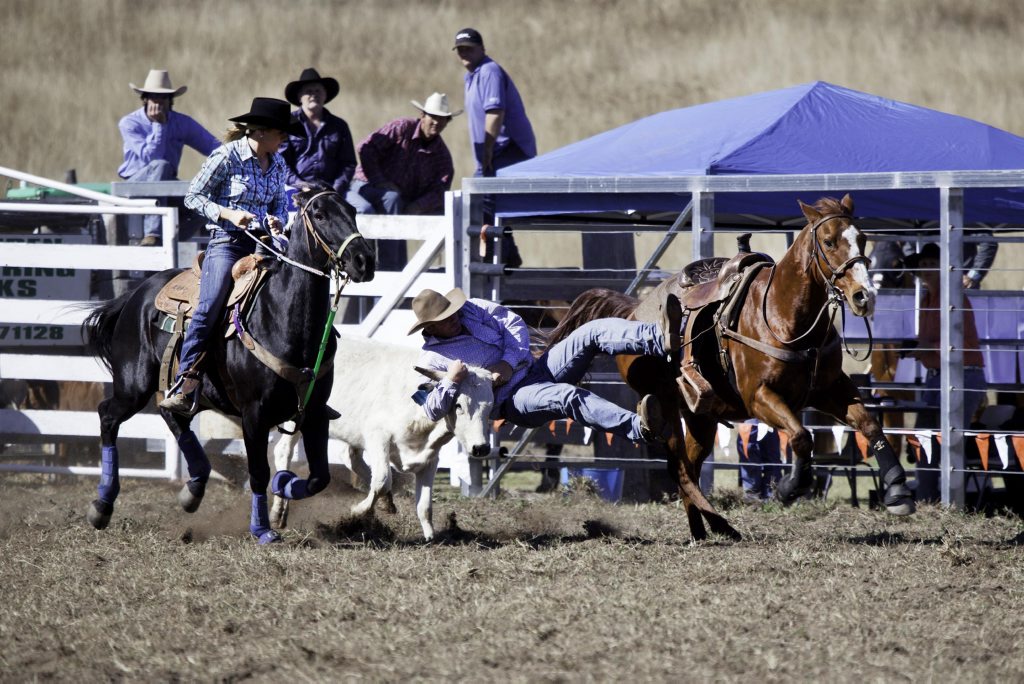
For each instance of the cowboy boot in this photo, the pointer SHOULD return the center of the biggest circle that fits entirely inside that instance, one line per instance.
(183, 397)
(652, 420)
(671, 323)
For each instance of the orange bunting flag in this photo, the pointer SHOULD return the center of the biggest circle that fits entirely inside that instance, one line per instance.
(608, 438)
(862, 445)
(496, 424)
(568, 425)
(784, 446)
(982, 442)
(1018, 447)
(744, 430)
(551, 427)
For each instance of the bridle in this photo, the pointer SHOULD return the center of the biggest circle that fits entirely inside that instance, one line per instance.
(312, 236)
(834, 296)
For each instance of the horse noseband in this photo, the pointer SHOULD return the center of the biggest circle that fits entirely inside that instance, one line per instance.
(333, 258)
(837, 273)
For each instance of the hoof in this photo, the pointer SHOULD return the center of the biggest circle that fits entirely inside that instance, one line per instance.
(279, 516)
(899, 500)
(267, 537)
(789, 491)
(280, 481)
(99, 514)
(191, 495)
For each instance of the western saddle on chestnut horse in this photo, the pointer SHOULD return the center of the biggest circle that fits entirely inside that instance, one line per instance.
(712, 293)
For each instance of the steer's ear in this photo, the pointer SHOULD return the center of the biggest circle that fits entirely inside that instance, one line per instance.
(430, 373)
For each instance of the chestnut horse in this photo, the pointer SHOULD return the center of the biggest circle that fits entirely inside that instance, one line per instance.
(769, 355)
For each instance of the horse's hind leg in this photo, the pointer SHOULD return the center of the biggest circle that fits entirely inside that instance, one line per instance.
(843, 402)
(699, 441)
(113, 412)
(192, 492)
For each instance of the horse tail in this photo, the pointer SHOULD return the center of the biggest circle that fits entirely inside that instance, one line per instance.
(596, 303)
(98, 327)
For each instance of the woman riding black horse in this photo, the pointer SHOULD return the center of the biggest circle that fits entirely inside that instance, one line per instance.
(263, 373)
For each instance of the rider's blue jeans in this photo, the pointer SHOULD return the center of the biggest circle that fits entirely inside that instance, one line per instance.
(214, 287)
(549, 391)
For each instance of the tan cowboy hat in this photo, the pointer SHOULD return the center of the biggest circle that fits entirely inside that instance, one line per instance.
(158, 82)
(437, 105)
(431, 306)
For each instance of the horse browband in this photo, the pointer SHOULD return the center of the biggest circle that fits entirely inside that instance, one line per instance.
(816, 250)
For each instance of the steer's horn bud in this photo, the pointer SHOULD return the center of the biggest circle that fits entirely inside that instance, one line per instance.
(430, 373)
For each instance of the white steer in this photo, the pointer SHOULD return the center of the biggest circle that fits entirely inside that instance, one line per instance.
(382, 425)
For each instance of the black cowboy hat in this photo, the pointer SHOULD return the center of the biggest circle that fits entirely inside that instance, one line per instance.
(929, 251)
(271, 113)
(310, 75)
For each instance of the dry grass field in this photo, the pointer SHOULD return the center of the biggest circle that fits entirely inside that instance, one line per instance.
(527, 587)
(538, 589)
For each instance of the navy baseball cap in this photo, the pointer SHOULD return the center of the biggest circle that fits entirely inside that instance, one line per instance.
(468, 36)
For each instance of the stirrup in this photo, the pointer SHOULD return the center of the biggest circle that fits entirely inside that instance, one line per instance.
(695, 389)
(176, 401)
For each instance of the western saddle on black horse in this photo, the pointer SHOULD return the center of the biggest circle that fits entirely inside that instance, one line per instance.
(178, 298)
(711, 292)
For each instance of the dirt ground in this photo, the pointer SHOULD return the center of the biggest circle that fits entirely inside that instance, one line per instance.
(523, 588)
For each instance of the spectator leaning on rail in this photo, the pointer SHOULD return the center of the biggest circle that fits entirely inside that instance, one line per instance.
(240, 186)
(154, 136)
(532, 392)
(405, 168)
(326, 153)
(925, 266)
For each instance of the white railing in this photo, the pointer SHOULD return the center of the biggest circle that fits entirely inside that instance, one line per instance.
(385, 321)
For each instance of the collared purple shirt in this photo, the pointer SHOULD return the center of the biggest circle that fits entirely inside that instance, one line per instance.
(422, 169)
(231, 177)
(326, 153)
(490, 333)
(146, 141)
(489, 87)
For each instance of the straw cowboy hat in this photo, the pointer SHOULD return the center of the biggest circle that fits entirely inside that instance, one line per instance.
(310, 75)
(430, 307)
(269, 112)
(158, 82)
(437, 105)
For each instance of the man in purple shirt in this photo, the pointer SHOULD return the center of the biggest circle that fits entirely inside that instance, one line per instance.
(327, 153)
(405, 168)
(499, 130)
(154, 136)
(532, 392)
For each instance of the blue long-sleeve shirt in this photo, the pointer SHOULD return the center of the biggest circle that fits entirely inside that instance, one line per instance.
(146, 141)
(231, 178)
(490, 333)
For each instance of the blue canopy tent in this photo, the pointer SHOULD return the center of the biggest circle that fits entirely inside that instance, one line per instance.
(815, 128)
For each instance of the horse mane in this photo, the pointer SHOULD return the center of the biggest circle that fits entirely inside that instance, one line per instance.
(830, 205)
(596, 303)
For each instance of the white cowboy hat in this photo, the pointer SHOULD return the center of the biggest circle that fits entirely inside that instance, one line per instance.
(158, 82)
(437, 105)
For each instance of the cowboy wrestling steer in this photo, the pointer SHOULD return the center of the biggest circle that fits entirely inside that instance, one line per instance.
(383, 425)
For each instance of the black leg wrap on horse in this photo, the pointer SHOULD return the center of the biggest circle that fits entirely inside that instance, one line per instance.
(318, 484)
(898, 498)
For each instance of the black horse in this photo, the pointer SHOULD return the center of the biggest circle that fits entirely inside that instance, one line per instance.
(288, 318)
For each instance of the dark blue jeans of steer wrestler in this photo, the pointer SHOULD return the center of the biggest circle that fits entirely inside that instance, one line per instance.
(549, 391)
(214, 287)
